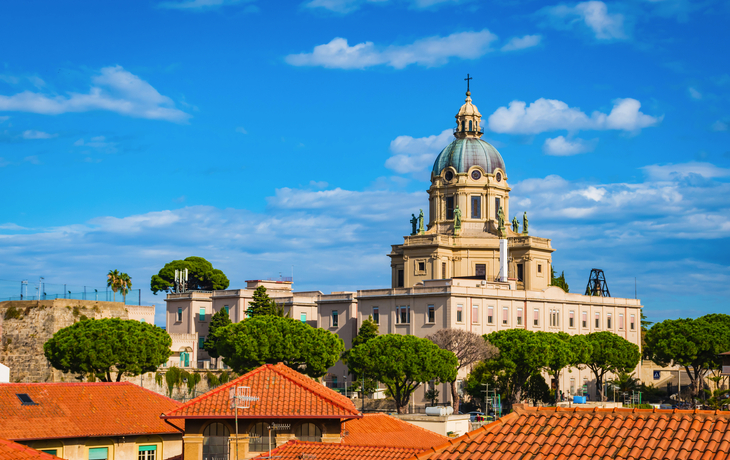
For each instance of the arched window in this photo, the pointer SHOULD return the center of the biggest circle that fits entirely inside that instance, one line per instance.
(258, 438)
(215, 441)
(309, 432)
(470, 126)
(463, 125)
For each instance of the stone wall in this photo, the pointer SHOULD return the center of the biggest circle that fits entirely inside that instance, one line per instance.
(26, 325)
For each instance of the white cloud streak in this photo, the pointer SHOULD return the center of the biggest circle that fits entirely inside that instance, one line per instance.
(114, 89)
(520, 43)
(33, 134)
(592, 14)
(427, 52)
(196, 5)
(545, 115)
(560, 146)
(413, 155)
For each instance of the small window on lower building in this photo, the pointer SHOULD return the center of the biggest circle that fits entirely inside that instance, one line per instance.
(335, 319)
(490, 315)
(519, 317)
(459, 313)
(598, 320)
(421, 266)
(303, 317)
(571, 318)
(505, 316)
(179, 314)
(621, 321)
(50, 451)
(376, 315)
(228, 310)
(147, 452)
(633, 322)
(539, 268)
(585, 319)
(475, 314)
(608, 321)
(520, 272)
(400, 280)
(201, 314)
(201, 341)
(536, 317)
(98, 453)
(431, 317)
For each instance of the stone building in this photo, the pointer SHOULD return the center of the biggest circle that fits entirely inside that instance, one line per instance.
(26, 325)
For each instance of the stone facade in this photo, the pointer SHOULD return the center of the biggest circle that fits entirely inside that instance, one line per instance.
(26, 325)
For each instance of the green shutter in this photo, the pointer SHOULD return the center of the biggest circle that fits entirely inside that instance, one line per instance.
(50, 451)
(98, 453)
(202, 314)
(145, 448)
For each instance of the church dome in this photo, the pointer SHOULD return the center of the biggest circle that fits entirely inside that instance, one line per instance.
(464, 153)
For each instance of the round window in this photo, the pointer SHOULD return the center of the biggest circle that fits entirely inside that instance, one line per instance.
(448, 176)
(499, 177)
(476, 175)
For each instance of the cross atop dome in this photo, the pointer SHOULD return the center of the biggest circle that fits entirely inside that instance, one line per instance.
(468, 118)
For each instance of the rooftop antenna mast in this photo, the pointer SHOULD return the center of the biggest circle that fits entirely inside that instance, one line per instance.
(240, 398)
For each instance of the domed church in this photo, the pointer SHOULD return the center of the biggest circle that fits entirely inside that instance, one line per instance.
(468, 215)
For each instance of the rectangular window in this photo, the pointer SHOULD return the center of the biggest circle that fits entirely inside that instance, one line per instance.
(431, 314)
(50, 451)
(571, 318)
(444, 275)
(536, 317)
(376, 315)
(403, 315)
(475, 314)
(147, 452)
(585, 319)
(449, 208)
(632, 323)
(497, 204)
(608, 321)
(179, 314)
(459, 313)
(201, 341)
(481, 270)
(476, 207)
(400, 280)
(520, 272)
(505, 315)
(490, 315)
(335, 319)
(201, 314)
(621, 321)
(98, 453)
(303, 317)
(519, 317)
(598, 320)
(539, 268)
(228, 310)
(572, 385)
(421, 267)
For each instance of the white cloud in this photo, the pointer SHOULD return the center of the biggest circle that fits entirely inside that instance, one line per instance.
(98, 143)
(560, 146)
(412, 155)
(241, 130)
(33, 134)
(114, 89)
(676, 171)
(550, 115)
(592, 14)
(427, 52)
(196, 4)
(519, 43)
(694, 93)
(348, 6)
(719, 125)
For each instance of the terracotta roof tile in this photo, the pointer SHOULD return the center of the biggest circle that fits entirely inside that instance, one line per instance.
(10, 450)
(384, 430)
(300, 450)
(69, 410)
(583, 434)
(281, 392)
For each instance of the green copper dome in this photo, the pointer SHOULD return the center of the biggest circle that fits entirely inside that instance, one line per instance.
(464, 153)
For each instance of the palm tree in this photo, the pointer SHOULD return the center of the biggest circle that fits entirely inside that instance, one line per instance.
(112, 281)
(125, 284)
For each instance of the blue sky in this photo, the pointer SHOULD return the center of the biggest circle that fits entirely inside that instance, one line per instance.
(266, 135)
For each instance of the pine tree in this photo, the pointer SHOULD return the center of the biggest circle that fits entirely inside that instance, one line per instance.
(262, 304)
(219, 320)
(558, 281)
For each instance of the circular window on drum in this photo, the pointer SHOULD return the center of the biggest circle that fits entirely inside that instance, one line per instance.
(448, 176)
(476, 174)
(499, 177)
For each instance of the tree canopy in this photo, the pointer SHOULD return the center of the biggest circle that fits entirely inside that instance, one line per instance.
(368, 331)
(559, 354)
(262, 304)
(468, 347)
(271, 339)
(101, 347)
(219, 320)
(558, 281)
(610, 353)
(692, 343)
(202, 276)
(402, 363)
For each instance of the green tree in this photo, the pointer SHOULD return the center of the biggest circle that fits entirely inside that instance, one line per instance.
(112, 281)
(692, 343)
(610, 353)
(558, 281)
(403, 363)
(368, 330)
(522, 353)
(219, 320)
(559, 354)
(624, 383)
(537, 389)
(261, 304)
(202, 276)
(271, 339)
(125, 285)
(432, 395)
(105, 346)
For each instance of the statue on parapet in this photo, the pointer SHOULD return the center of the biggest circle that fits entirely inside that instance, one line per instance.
(524, 223)
(414, 224)
(502, 230)
(420, 223)
(515, 225)
(457, 218)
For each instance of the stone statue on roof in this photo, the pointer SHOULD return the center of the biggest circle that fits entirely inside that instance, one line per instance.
(500, 216)
(420, 223)
(457, 218)
(414, 224)
(524, 223)
(515, 225)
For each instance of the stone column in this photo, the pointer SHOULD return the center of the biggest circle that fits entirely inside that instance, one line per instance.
(242, 446)
(193, 446)
(283, 438)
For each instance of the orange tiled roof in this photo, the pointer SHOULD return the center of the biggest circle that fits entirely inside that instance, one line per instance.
(10, 450)
(300, 450)
(281, 392)
(384, 430)
(69, 410)
(582, 434)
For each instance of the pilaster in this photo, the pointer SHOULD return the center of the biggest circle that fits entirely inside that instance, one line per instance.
(242, 447)
(193, 446)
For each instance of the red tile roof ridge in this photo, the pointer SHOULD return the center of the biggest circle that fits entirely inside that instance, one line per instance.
(78, 384)
(380, 414)
(275, 368)
(25, 449)
(624, 410)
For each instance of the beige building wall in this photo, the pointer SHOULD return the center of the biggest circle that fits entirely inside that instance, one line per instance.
(119, 447)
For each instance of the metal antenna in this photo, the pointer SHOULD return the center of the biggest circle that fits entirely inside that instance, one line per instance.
(240, 398)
